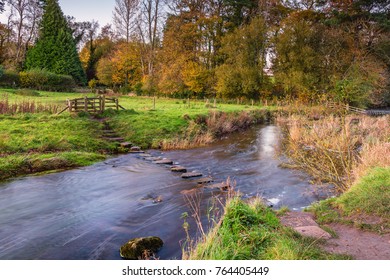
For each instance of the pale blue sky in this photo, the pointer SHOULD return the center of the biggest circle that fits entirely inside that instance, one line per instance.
(86, 10)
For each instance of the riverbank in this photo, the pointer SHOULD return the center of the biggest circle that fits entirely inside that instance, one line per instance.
(350, 151)
(33, 139)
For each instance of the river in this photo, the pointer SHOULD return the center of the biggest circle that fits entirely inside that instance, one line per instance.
(88, 213)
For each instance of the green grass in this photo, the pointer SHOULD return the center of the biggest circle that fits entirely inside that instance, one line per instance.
(22, 164)
(253, 231)
(370, 196)
(26, 133)
(26, 137)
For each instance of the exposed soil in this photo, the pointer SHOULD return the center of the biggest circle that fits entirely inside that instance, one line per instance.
(359, 244)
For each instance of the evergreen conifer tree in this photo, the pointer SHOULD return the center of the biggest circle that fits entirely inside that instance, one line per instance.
(55, 49)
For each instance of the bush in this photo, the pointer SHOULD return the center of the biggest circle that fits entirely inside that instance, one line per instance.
(1, 71)
(9, 78)
(44, 80)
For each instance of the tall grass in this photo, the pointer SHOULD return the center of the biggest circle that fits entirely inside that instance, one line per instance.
(204, 129)
(25, 106)
(337, 149)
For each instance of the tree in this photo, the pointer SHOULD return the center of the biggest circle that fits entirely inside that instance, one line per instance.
(24, 18)
(124, 13)
(1, 6)
(242, 73)
(90, 35)
(121, 67)
(55, 49)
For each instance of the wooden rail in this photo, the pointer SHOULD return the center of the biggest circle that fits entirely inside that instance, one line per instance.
(349, 108)
(346, 107)
(91, 104)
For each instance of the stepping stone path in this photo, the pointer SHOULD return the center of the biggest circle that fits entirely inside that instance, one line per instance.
(164, 161)
(179, 169)
(191, 175)
(125, 145)
(304, 223)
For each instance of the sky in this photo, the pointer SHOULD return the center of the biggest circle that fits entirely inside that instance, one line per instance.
(85, 10)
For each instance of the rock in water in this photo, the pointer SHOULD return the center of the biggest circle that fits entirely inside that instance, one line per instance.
(136, 248)
(164, 161)
(178, 169)
(191, 175)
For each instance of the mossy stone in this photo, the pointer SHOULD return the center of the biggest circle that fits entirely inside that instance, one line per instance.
(135, 248)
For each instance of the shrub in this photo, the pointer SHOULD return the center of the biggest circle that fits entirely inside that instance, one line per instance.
(9, 78)
(92, 84)
(1, 71)
(44, 80)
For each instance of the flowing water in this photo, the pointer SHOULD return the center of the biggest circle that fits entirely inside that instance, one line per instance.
(88, 213)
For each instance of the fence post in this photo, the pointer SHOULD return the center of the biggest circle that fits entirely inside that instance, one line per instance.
(117, 104)
(69, 105)
(215, 103)
(86, 104)
(103, 103)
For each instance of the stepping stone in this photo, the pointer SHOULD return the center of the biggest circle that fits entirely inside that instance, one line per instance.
(145, 155)
(205, 180)
(313, 231)
(163, 161)
(191, 175)
(222, 186)
(114, 139)
(135, 149)
(179, 169)
(152, 158)
(125, 145)
(136, 152)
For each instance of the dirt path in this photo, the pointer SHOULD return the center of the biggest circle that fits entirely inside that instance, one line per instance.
(359, 244)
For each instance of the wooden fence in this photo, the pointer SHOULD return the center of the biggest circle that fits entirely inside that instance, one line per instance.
(349, 108)
(91, 104)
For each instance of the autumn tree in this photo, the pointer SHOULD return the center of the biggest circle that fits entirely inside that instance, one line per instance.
(55, 49)
(242, 73)
(98, 48)
(120, 67)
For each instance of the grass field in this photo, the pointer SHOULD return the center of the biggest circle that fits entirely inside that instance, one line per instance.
(35, 137)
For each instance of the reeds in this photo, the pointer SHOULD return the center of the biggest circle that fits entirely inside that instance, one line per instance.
(206, 128)
(337, 149)
(25, 106)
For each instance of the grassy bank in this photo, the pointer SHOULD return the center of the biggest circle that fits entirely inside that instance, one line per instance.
(365, 205)
(33, 139)
(31, 143)
(250, 231)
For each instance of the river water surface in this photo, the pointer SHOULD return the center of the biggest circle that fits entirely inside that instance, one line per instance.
(88, 213)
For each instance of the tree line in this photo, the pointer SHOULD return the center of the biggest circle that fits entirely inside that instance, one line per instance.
(307, 50)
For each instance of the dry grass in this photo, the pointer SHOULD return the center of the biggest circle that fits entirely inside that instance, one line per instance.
(206, 128)
(25, 106)
(337, 149)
